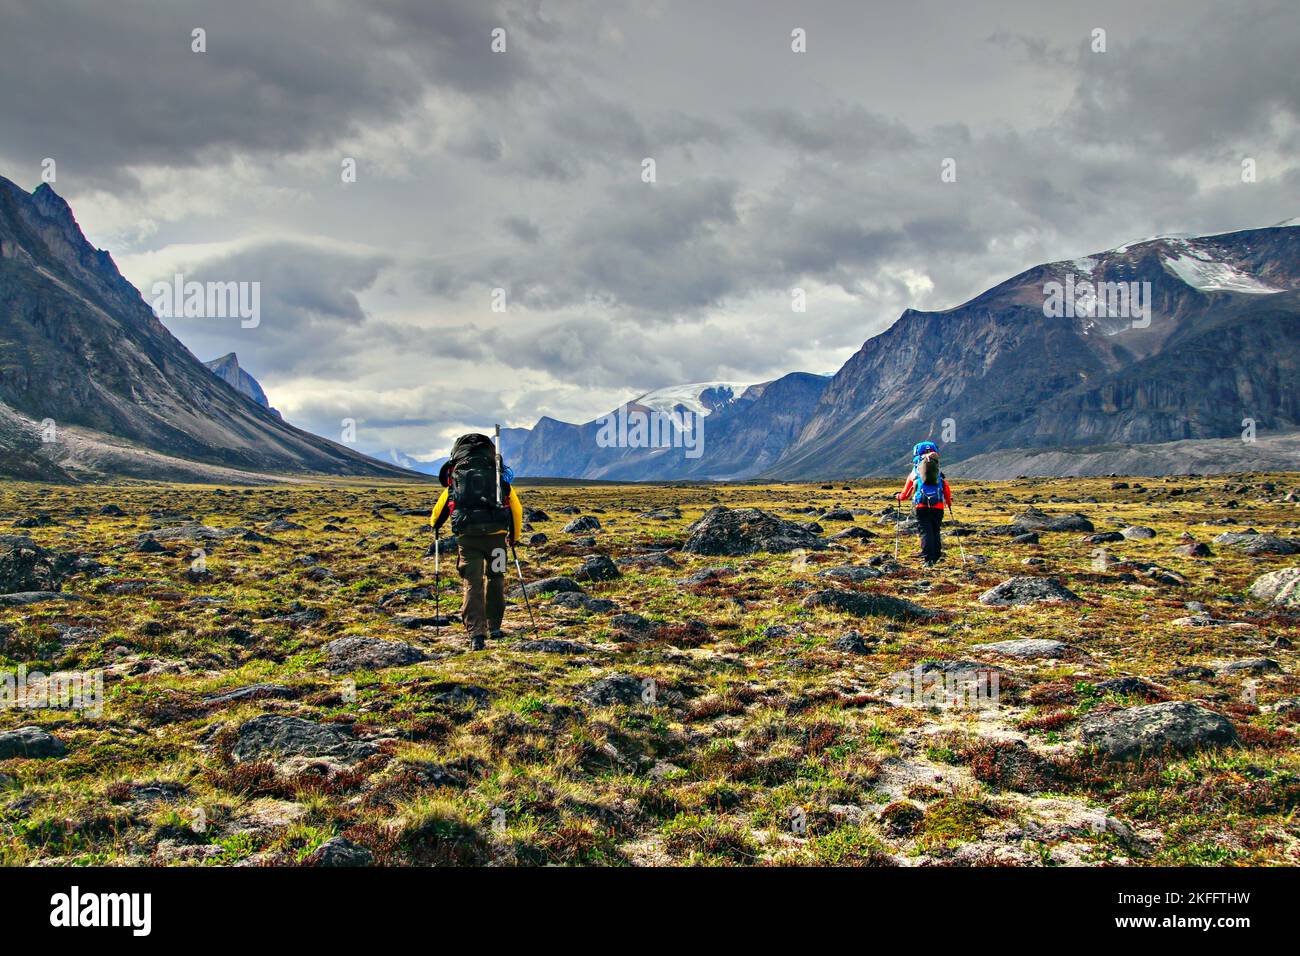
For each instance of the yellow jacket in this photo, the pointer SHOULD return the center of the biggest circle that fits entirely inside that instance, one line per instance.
(441, 513)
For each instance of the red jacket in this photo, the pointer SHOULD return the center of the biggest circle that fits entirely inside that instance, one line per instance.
(911, 486)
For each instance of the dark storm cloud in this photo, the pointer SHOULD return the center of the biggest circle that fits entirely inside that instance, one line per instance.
(523, 171)
(101, 86)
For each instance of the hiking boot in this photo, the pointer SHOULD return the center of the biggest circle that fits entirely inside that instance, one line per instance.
(477, 643)
(497, 634)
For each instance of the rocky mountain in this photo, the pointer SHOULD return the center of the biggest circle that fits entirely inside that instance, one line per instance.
(228, 370)
(1209, 338)
(1152, 358)
(742, 429)
(92, 384)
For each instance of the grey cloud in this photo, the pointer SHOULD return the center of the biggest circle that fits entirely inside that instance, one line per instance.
(310, 312)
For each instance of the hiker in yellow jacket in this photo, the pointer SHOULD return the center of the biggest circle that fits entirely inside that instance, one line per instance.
(484, 531)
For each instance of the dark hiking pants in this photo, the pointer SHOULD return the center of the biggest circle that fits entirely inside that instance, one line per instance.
(929, 519)
(482, 567)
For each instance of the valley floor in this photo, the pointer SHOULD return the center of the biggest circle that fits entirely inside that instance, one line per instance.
(680, 718)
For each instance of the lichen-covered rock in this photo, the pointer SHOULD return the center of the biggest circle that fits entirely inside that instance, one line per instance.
(1028, 590)
(1278, 587)
(269, 736)
(727, 531)
(30, 742)
(368, 653)
(1177, 726)
(866, 604)
(1026, 648)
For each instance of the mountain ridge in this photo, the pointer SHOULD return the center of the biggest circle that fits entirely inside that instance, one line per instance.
(83, 356)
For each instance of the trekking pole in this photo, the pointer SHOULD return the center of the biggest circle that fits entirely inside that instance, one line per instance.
(437, 586)
(497, 448)
(961, 547)
(524, 588)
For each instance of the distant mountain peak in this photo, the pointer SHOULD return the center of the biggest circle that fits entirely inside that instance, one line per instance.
(227, 369)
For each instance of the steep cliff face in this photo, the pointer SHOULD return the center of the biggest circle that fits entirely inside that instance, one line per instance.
(1220, 343)
(227, 369)
(80, 348)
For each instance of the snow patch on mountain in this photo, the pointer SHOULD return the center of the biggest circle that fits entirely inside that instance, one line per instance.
(698, 398)
(1201, 271)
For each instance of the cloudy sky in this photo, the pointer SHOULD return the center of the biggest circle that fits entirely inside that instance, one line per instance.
(522, 170)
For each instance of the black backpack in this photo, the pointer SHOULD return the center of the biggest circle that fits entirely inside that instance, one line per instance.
(471, 474)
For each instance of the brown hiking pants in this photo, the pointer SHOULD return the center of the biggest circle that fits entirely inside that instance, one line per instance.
(482, 566)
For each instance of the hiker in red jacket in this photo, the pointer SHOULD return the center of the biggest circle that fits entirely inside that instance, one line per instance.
(930, 494)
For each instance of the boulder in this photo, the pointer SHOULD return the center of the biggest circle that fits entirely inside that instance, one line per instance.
(1137, 533)
(1251, 542)
(850, 572)
(851, 534)
(30, 742)
(1177, 726)
(1028, 590)
(615, 689)
(552, 646)
(1280, 587)
(340, 852)
(548, 586)
(347, 654)
(727, 531)
(269, 736)
(584, 523)
(597, 567)
(867, 604)
(851, 643)
(26, 566)
(1251, 665)
(1026, 648)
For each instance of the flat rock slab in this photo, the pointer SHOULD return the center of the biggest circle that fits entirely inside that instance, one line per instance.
(850, 572)
(615, 689)
(866, 604)
(551, 646)
(1259, 543)
(850, 534)
(1028, 590)
(1026, 649)
(583, 602)
(23, 598)
(1250, 665)
(548, 586)
(1278, 587)
(30, 742)
(269, 736)
(739, 531)
(251, 692)
(1177, 726)
(369, 653)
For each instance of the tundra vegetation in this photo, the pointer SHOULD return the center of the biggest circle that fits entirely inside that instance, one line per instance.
(277, 689)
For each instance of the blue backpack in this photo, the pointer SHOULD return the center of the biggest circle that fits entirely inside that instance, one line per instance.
(927, 494)
(922, 449)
